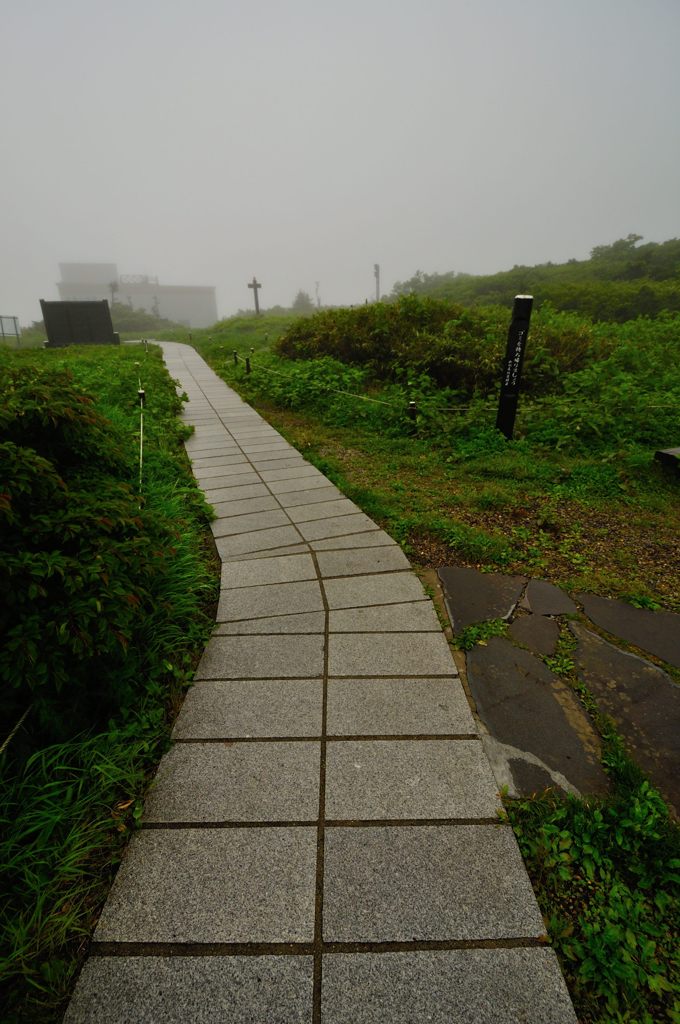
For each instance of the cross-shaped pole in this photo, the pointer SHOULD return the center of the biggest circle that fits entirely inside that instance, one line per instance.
(255, 284)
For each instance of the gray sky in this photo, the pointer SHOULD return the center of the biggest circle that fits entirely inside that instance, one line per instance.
(304, 140)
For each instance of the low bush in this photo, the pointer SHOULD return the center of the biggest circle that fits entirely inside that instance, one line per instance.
(105, 600)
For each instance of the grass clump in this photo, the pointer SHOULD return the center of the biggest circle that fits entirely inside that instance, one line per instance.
(607, 878)
(106, 594)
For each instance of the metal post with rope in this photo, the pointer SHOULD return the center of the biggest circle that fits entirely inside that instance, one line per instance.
(141, 395)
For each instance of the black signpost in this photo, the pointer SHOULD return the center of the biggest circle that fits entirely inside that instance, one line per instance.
(512, 367)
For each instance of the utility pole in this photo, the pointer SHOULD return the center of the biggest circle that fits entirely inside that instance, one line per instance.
(376, 274)
(255, 284)
(318, 300)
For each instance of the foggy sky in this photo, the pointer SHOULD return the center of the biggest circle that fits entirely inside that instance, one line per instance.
(304, 140)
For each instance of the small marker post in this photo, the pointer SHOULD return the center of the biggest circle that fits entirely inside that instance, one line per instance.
(512, 367)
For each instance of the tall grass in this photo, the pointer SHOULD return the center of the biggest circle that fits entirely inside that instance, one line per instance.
(74, 773)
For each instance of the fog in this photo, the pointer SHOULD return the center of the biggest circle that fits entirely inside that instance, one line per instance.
(302, 141)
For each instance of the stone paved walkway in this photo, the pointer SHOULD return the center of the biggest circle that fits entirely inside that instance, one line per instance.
(321, 842)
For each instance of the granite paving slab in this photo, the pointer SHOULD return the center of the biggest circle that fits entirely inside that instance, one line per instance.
(394, 654)
(295, 473)
(218, 468)
(655, 632)
(283, 569)
(298, 485)
(291, 549)
(193, 990)
(233, 493)
(245, 506)
(318, 529)
(392, 707)
(250, 708)
(228, 527)
(257, 540)
(423, 882)
(397, 618)
(302, 622)
(529, 709)
(262, 657)
(465, 986)
(323, 509)
(374, 539)
(359, 591)
(214, 885)
(292, 498)
(218, 459)
(644, 703)
(268, 600)
(361, 563)
(286, 462)
(472, 596)
(217, 782)
(229, 480)
(390, 779)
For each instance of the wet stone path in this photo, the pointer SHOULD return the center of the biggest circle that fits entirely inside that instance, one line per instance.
(321, 842)
(534, 728)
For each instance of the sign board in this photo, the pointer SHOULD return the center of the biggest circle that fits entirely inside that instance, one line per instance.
(78, 323)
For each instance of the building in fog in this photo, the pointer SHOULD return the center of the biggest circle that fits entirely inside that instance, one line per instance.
(192, 305)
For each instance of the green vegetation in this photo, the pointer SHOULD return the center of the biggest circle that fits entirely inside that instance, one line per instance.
(619, 282)
(576, 498)
(606, 873)
(105, 608)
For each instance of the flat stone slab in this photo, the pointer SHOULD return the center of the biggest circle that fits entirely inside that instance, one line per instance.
(262, 657)
(291, 549)
(299, 484)
(303, 622)
(323, 510)
(214, 885)
(465, 986)
(360, 591)
(283, 569)
(537, 632)
(390, 779)
(333, 526)
(197, 989)
(655, 632)
(244, 506)
(543, 598)
(531, 711)
(297, 472)
(285, 462)
(293, 498)
(245, 708)
(220, 469)
(644, 703)
(418, 616)
(473, 596)
(236, 782)
(393, 707)
(219, 494)
(389, 654)
(234, 525)
(360, 563)
(374, 539)
(267, 600)
(226, 480)
(421, 882)
(258, 540)
(218, 459)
